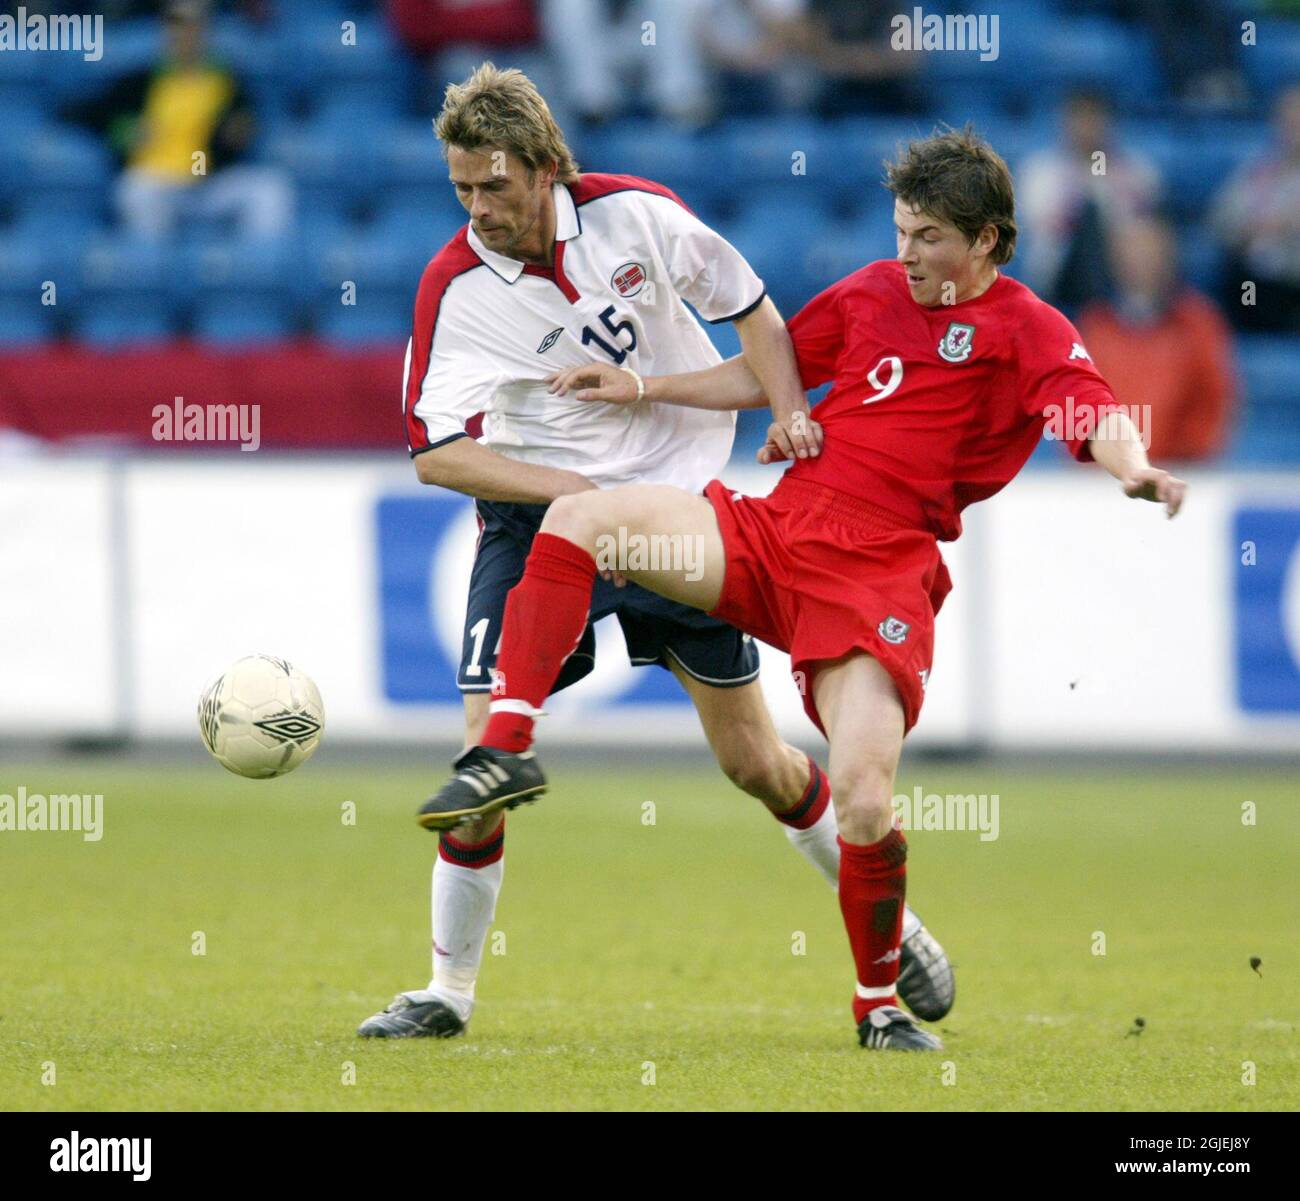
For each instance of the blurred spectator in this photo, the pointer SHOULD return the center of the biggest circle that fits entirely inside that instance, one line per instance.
(1201, 69)
(159, 121)
(847, 44)
(1069, 196)
(1258, 218)
(611, 52)
(452, 37)
(750, 42)
(1161, 343)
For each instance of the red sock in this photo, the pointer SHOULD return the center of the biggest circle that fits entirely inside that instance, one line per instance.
(473, 854)
(811, 806)
(873, 885)
(546, 614)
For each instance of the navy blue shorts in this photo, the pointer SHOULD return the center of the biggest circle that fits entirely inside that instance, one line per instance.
(655, 629)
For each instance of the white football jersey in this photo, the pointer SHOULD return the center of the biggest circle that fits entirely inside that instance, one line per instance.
(489, 329)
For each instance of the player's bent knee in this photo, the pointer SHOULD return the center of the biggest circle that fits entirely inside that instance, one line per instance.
(753, 771)
(565, 514)
(865, 793)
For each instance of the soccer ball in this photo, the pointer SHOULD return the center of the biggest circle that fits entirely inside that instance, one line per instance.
(261, 718)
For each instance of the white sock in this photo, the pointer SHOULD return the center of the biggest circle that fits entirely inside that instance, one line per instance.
(464, 903)
(819, 845)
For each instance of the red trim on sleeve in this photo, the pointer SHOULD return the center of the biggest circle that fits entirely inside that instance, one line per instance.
(592, 185)
(452, 260)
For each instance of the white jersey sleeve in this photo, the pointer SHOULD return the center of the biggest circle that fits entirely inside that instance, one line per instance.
(450, 373)
(706, 270)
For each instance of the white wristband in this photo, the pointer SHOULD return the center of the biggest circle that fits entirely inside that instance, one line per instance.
(640, 383)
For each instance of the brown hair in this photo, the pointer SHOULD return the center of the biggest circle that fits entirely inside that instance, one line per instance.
(957, 176)
(503, 109)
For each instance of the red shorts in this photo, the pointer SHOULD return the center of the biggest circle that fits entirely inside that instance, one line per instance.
(819, 573)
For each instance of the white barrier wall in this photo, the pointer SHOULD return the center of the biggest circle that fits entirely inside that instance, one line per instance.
(1078, 618)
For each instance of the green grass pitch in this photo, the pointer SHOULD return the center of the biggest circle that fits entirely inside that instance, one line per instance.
(644, 966)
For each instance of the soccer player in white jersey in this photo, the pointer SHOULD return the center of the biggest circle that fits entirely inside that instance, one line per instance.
(553, 267)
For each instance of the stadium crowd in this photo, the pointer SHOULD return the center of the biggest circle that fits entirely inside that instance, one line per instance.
(214, 181)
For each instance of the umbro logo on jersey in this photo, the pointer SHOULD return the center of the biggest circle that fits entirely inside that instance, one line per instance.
(1077, 352)
(893, 630)
(955, 346)
(550, 340)
(628, 280)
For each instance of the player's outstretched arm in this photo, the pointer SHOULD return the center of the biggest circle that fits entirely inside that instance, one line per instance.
(729, 385)
(769, 351)
(466, 466)
(1117, 446)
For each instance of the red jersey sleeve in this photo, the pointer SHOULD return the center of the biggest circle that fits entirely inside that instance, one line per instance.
(1059, 381)
(817, 331)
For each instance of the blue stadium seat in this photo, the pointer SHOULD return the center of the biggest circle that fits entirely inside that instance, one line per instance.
(217, 275)
(1102, 53)
(229, 320)
(366, 118)
(762, 150)
(774, 232)
(62, 161)
(416, 230)
(861, 146)
(1273, 63)
(106, 325)
(24, 80)
(383, 262)
(694, 165)
(67, 218)
(409, 169)
(844, 247)
(129, 46)
(323, 161)
(1195, 159)
(41, 246)
(378, 316)
(126, 285)
(1268, 366)
(246, 48)
(321, 226)
(315, 45)
(24, 321)
(1200, 259)
(24, 118)
(1019, 66)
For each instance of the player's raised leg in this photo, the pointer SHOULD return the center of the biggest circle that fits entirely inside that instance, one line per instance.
(546, 614)
(757, 760)
(863, 716)
(467, 876)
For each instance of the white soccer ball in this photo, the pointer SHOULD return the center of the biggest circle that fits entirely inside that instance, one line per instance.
(261, 718)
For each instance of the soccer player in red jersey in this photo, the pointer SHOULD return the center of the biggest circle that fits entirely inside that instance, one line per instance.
(946, 373)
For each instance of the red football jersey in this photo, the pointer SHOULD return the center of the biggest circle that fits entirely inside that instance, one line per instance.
(935, 408)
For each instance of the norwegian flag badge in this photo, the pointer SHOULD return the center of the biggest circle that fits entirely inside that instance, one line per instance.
(628, 279)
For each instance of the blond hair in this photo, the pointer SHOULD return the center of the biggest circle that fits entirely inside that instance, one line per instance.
(502, 109)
